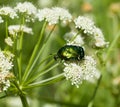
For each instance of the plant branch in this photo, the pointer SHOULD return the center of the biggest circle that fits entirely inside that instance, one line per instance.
(41, 73)
(27, 72)
(112, 46)
(95, 91)
(45, 82)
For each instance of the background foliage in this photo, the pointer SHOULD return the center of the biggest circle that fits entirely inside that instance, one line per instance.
(62, 94)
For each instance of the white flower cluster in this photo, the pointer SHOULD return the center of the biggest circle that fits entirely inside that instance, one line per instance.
(53, 15)
(5, 67)
(30, 13)
(8, 11)
(85, 24)
(88, 27)
(77, 72)
(14, 29)
(9, 41)
(99, 38)
(72, 38)
(27, 9)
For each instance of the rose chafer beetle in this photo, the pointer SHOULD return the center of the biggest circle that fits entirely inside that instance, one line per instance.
(70, 53)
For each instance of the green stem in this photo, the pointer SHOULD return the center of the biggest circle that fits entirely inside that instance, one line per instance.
(27, 72)
(41, 73)
(32, 74)
(20, 56)
(15, 61)
(42, 48)
(39, 53)
(72, 39)
(45, 82)
(24, 100)
(6, 27)
(21, 95)
(112, 46)
(95, 91)
(20, 45)
(34, 62)
(115, 25)
(48, 36)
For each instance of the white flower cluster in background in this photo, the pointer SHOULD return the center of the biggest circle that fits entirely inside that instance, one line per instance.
(9, 41)
(27, 9)
(88, 27)
(72, 38)
(85, 24)
(5, 67)
(15, 29)
(77, 72)
(53, 15)
(99, 38)
(8, 11)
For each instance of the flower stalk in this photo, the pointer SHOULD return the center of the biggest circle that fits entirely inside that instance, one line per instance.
(95, 92)
(31, 62)
(112, 46)
(50, 80)
(24, 100)
(40, 73)
(21, 95)
(6, 27)
(20, 45)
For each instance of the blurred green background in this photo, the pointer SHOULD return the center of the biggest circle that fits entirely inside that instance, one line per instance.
(62, 94)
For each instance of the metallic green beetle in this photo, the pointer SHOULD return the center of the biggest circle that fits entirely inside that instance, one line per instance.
(70, 53)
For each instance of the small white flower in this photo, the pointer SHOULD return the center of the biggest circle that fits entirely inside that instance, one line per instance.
(7, 85)
(85, 24)
(5, 67)
(77, 72)
(1, 20)
(14, 29)
(73, 39)
(28, 9)
(62, 14)
(52, 16)
(5, 64)
(4, 81)
(9, 55)
(9, 41)
(99, 38)
(43, 14)
(8, 11)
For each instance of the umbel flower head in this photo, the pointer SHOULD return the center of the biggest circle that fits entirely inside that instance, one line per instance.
(85, 24)
(5, 67)
(9, 41)
(8, 11)
(27, 9)
(53, 15)
(14, 29)
(88, 27)
(77, 72)
(99, 38)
